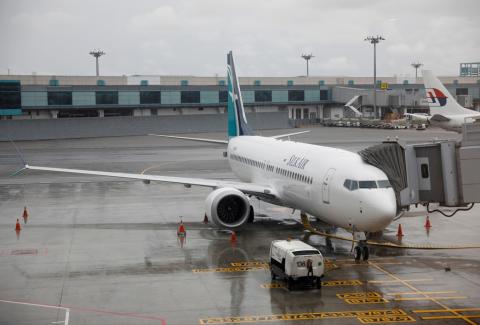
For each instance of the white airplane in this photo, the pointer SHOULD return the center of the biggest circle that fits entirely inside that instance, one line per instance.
(445, 111)
(333, 185)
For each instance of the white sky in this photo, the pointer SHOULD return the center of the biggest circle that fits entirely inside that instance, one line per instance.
(192, 37)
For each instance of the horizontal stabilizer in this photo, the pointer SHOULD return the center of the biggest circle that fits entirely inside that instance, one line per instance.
(288, 134)
(439, 118)
(192, 139)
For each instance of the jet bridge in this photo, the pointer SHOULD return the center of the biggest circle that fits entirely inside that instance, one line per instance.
(444, 172)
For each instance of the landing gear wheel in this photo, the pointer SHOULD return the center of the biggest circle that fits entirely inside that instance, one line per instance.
(358, 253)
(319, 283)
(273, 276)
(251, 215)
(365, 253)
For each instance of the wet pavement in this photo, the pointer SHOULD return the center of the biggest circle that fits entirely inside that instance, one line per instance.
(105, 251)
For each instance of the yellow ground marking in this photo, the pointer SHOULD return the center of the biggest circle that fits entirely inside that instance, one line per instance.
(364, 316)
(355, 298)
(429, 298)
(231, 269)
(421, 311)
(448, 317)
(366, 264)
(253, 263)
(272, 285)
(397, 281)
(458, 310)
(333, 283)
(309, 227)
(447, 309)
(339, 283)
(418, 293)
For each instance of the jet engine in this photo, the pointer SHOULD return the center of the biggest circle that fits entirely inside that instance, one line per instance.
(228, 208)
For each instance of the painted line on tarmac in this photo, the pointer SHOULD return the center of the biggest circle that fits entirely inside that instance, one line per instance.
(398, 281)
(430, 298)
(364, 316)
(332, 283)
(419, 293)
(231, 269)
(435, 300)
(441, 317)
(357, 298)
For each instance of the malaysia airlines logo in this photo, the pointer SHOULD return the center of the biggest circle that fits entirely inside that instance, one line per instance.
(436, 97)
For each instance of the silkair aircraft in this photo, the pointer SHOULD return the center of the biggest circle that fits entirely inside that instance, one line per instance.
(333, 185)
(445, 111)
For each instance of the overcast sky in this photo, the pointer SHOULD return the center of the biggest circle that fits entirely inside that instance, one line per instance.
(192, 37)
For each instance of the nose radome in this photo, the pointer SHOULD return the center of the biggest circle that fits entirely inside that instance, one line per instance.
(382, 210)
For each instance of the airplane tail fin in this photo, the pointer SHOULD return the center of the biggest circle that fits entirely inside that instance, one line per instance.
(237, 121)
(439, 98)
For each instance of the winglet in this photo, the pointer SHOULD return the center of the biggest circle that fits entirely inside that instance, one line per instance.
(19, 154)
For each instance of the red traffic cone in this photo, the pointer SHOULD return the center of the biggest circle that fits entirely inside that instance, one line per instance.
(17, 226)
(427, 223)
(233, 237)
(399, 231)
(181, 229)
(205, 219)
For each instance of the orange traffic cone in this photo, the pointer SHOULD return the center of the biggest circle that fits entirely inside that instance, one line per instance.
(233, 237)
(427, 223)
(181, 229)
(399, 231)
(205, 219)
(17, 226)
(25, 215)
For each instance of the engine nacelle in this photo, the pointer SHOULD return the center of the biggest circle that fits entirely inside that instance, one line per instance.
(228, 208)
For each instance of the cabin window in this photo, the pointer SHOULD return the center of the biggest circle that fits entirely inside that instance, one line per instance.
(424, 170)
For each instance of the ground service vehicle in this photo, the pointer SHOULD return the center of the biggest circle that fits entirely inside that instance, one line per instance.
(296, 262)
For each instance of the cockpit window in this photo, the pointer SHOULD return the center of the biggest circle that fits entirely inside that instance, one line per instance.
(351, 184)
(367, 184)
(384, 184)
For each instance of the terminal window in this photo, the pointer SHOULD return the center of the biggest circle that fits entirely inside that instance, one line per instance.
(323, 94)
(59, 98)
(190, 97)
(223, 96)
(296, 95)
(106, 97)
(10, 95)
(150, 97)
(263, 95)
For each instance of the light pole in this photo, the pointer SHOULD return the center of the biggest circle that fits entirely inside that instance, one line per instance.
(97, 54)
(374, 40)
(416, 65)
(307, 58)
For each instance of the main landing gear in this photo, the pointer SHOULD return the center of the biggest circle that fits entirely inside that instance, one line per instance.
(361, 251)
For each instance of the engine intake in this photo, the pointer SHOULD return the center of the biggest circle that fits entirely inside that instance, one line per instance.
(228, 208)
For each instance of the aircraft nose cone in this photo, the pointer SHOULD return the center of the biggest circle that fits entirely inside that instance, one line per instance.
(381, 211)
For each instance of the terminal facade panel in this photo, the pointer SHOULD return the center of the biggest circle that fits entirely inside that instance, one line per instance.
(311, 99)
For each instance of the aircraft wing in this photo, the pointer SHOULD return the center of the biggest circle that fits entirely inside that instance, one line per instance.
(439, 118)
(247, 188)
(288, 134)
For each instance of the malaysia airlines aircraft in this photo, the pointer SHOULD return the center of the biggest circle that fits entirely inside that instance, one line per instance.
(333, 185)
(445, 111)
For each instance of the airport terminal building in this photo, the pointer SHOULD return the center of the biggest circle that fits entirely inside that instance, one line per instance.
(310, 99)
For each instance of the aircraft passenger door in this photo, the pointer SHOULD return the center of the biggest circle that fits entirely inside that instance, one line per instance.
(325, 186)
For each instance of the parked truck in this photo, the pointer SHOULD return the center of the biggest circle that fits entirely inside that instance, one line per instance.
(296, 262)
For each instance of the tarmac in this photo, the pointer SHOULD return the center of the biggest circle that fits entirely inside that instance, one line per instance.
(97, 250)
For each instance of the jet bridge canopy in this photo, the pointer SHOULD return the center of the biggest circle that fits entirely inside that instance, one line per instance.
(444, 172)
